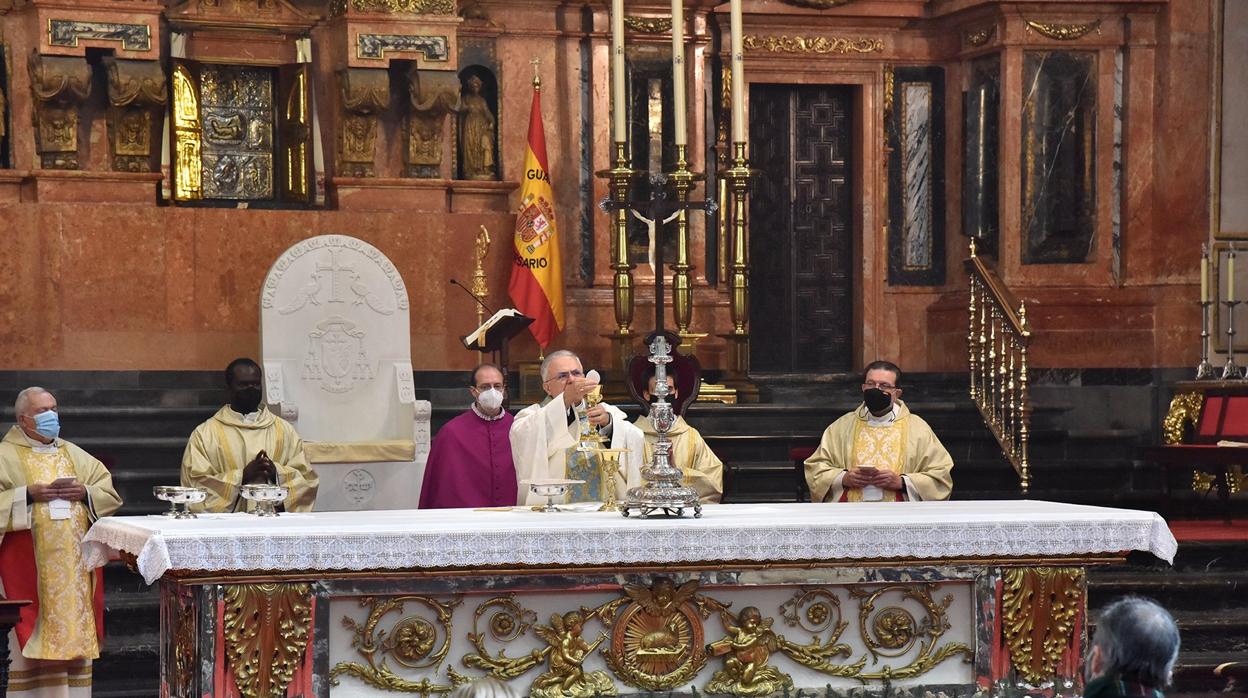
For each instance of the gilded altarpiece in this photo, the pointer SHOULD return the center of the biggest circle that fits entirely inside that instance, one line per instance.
(241, 133)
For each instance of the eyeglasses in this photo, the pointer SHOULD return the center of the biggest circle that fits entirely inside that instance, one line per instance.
(487, 386)
(564, 375)
(882, 386)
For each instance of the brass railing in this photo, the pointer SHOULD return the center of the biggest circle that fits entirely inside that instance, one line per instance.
(996, 343)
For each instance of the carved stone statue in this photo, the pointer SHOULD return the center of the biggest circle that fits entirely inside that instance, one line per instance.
(476, 133)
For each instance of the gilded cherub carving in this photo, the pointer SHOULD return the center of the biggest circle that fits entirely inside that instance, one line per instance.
(749, 645)
(565, 677)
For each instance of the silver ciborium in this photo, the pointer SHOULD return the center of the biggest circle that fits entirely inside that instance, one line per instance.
(551, 489)
(180, 499)
(664, 493)
(265, 496)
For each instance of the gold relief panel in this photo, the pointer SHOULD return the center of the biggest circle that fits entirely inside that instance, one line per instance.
(1064, 32)
(419, 639)
(976, 38)
(660, 636)
(812, 44)
(434, 95)
(1040, 609)
(648, 25)
(266, 629)
(409, 7)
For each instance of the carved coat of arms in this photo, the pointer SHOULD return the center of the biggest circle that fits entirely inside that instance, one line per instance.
(336, 355)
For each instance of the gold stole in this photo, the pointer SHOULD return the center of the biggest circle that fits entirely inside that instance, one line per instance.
(883, 448)
(226, 444)
(66, 625)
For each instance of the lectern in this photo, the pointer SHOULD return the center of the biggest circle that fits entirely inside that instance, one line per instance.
(495, 334)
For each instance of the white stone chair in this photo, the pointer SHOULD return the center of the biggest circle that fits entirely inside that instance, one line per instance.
(336, 351)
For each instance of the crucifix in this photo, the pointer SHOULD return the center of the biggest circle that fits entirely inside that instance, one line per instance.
(660, 209)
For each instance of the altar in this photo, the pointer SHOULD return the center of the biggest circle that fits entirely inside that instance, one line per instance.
(926, 598)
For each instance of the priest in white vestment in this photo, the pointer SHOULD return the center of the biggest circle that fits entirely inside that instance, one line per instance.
(542, 434)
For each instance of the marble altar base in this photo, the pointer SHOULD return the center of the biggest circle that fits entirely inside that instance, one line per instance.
(749, 601)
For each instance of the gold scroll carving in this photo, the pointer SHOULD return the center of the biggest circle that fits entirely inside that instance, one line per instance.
(1064, 32)
(1184, 410)
(890, 631)
(748, 647)
(812, 44)
(136, 92)
(1040, 607)
(648, 25)
(416, 641)
(365, 94)
(266, 633)
(434, 95)
(59, 85)
(396, 7)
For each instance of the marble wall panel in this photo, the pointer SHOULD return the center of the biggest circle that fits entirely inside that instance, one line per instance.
(982, 104)
(916, 178)
(1058, 180)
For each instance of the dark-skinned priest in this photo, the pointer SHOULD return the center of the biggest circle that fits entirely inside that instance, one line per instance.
(470, 460)
(244, 443)
(880, 451)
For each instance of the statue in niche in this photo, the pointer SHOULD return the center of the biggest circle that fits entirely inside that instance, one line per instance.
(476, 133)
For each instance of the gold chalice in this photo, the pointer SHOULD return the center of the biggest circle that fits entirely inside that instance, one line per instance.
(609, 467)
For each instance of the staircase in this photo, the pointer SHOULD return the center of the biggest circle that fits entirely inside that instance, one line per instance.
(138, 423)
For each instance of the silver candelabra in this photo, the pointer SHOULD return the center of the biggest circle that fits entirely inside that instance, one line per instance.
(664, 493)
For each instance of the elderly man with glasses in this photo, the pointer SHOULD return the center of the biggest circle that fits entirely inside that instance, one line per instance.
(879, 451)
(542, 434)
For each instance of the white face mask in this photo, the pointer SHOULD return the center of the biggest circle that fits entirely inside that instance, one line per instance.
(491, 399)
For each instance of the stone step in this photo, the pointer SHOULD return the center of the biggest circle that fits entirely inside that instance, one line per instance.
(128, 667)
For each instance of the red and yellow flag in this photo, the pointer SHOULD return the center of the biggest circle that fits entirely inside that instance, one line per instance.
(537, 278)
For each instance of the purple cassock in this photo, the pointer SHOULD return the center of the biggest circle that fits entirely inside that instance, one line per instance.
(470, 464)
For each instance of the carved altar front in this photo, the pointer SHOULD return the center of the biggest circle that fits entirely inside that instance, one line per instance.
(964, 598)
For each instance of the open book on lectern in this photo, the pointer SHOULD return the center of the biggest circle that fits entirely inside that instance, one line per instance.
(498, 330)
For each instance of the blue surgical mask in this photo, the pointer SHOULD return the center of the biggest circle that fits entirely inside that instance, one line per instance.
(48, 424)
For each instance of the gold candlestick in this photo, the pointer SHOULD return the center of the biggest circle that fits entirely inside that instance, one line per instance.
(479, 289)
(738, 177)
(620, 180)
(683, 181)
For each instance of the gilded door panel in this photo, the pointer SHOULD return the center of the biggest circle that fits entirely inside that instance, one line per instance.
(294, 120)
(236, 111)
(801, 228)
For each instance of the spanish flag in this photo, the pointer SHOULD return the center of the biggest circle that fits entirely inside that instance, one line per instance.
(537, 278)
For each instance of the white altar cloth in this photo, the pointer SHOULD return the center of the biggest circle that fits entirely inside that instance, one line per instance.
(747, 533)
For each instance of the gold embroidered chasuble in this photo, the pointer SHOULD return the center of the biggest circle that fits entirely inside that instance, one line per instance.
(221, 447)
(65, 626)
(703, 470)
(906, 445)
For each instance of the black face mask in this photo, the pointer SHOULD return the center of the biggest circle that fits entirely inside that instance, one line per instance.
(877, 400)
(246, 400)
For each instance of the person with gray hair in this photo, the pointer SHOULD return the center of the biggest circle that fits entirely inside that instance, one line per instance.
(1133, 651)
(51, 491)
(544, 436)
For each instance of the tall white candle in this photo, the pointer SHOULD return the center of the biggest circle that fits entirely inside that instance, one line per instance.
(1204, 278)
(678, 68)
(738, 72)
(1230, 276)
(619, 107)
